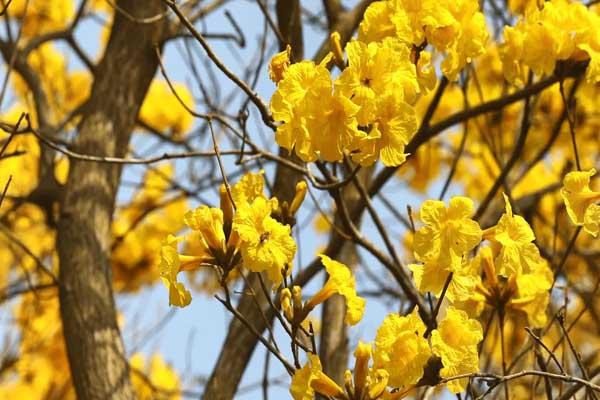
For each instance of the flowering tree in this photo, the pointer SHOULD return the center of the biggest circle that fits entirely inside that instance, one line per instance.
(446, 148)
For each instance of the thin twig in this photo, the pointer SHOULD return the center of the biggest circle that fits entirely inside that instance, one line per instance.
(541, 343)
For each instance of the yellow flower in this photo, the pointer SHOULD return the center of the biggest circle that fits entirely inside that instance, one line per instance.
(455, 342)
(518, 254)
(449, 233)
(380, 22)
(395, 124)
(332, 125)
(511, 53)
(362, 353)
(335, 42)
(299, 196)
(310, 379)
(266, 244)
(470, 39)
(302, 84)
(248, 188)
(542, 48)
(532, 296)
(426, 72)
(556, 30)
(401, 349)
(580, 200)
(431, 277)
(279, 63)
(42, 16)
(208, 223)
(163, 111)
(341, 281)
(374, 70)
(286, 303)
(170, 265)
(151, 375)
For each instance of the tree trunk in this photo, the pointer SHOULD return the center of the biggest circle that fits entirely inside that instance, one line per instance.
(97, 359)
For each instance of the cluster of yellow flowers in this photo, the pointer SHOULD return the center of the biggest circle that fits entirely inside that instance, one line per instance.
(581, 201)
(367, 112)
(511, 255)
(139, 228)
(42, 16)
(454, 27)
(162, 110)
(248, 230)
(65, 90)
(40, 369)
(509, 276)
(400, 355)
(556, 31)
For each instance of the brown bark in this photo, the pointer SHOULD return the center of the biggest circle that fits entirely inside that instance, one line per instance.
(333, 9)
(289, 21)
(95, 350)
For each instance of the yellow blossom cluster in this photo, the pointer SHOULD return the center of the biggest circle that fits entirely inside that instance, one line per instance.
(516, 277)
(557, 30)
(400, 355)
(42, 16)
(163, 110)
(40, 370)
(140, 226)
(367, 112)
(583, 203)
(247, 230)
(65, 90)
(453, 27)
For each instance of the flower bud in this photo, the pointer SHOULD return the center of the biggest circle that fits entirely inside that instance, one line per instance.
(336, 49)
(279, 63)
(361, 366)
(286, 303)
(301, 190)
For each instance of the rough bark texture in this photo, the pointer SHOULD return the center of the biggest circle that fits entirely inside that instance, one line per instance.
(94, 346)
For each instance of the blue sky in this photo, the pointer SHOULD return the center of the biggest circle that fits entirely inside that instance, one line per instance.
(192, 338)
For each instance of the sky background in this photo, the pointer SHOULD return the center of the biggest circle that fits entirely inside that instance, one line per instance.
(190, 338)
